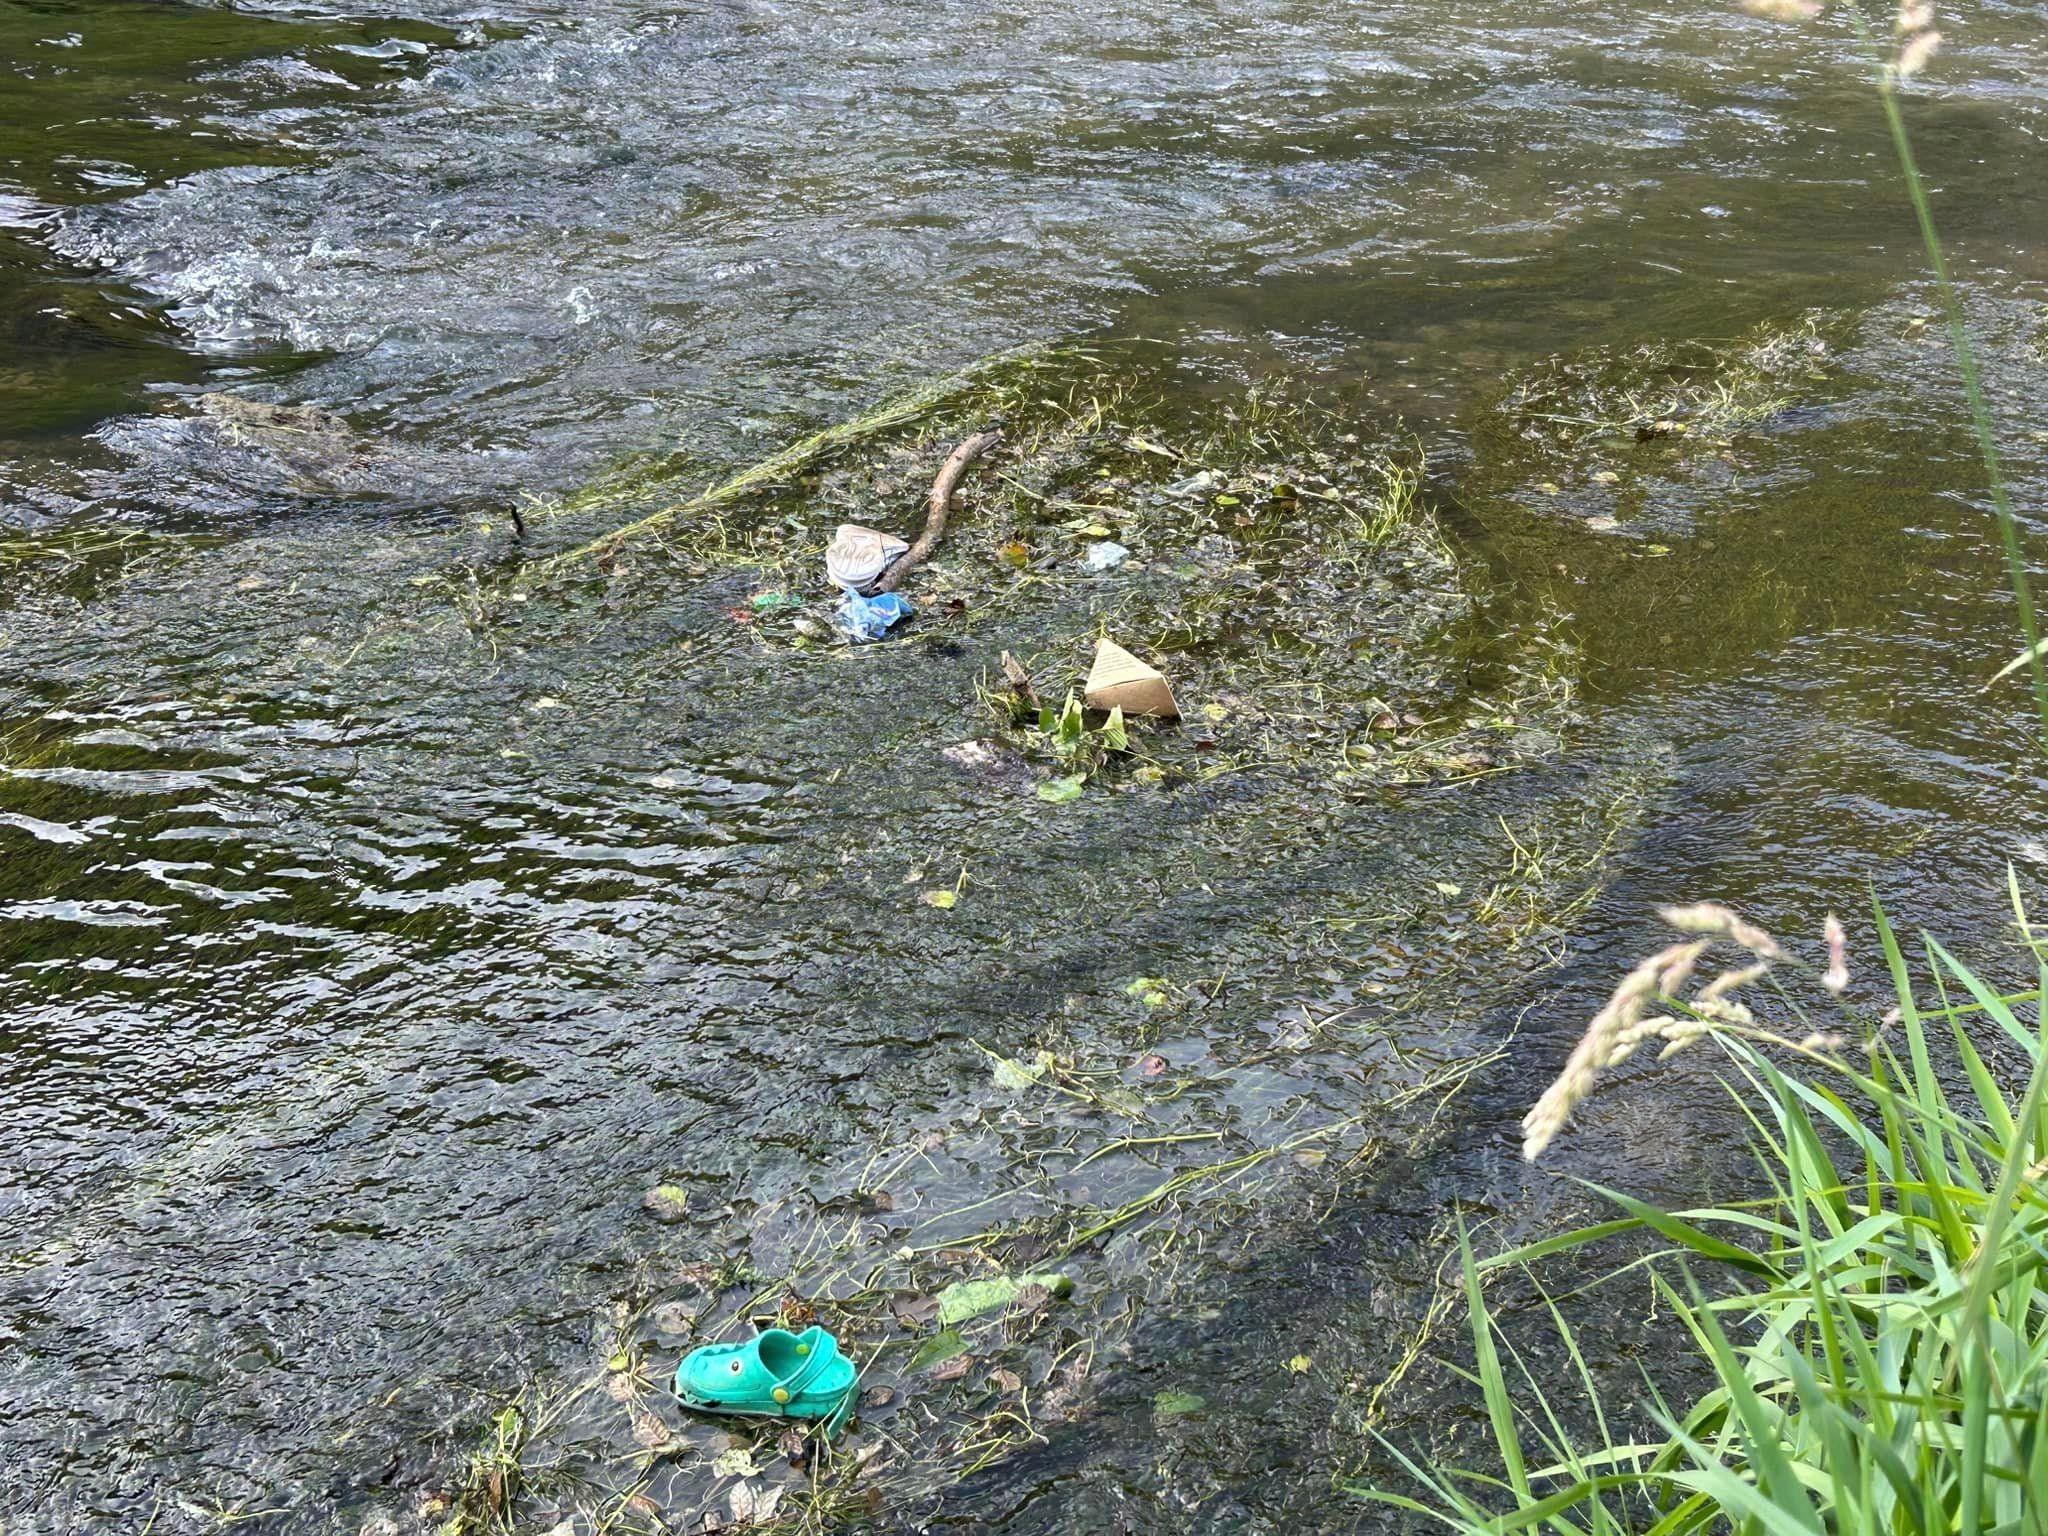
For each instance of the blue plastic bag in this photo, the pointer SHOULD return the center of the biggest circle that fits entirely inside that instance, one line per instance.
(870, 618)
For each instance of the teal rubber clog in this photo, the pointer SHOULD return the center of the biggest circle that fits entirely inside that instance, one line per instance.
(777, 1374)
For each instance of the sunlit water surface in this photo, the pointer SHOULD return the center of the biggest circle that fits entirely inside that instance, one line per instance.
(358, 978)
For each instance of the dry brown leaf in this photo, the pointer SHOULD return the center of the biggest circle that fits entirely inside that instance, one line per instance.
(1031, 1298)
(913, 1310)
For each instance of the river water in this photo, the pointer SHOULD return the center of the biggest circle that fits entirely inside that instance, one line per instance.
(363, 963)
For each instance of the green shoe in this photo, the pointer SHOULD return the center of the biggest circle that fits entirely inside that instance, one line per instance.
(777, 1373)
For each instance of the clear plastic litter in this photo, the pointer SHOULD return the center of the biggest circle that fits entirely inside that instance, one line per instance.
(870, 618)
(854, 562)
(1106, 556)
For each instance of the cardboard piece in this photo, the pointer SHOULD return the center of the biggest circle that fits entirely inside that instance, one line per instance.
(1118, 680)
(857, 556)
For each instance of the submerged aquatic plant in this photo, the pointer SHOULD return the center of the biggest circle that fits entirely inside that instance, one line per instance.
(1915, 40)
(1393, 505)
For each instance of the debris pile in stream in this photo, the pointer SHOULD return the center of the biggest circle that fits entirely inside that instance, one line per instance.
(1111, 1143)
(1616, 436)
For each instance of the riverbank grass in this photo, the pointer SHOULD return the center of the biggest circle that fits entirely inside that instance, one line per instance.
(1875, 1324)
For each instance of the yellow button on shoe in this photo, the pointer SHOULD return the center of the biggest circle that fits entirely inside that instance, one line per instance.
(782, 1394)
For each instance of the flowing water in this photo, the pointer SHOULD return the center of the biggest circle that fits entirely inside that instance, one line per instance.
(375, 930)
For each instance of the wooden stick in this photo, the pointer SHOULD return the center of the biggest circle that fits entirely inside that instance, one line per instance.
(940, 506)
(1019, 681)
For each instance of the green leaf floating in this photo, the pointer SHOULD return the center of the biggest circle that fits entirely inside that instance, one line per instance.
(938, 1349)
(1173, 1404)
(971, 1298)
(1013, 1076)
(1060, 791)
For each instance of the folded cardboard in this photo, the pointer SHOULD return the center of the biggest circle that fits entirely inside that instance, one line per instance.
(1118, 680)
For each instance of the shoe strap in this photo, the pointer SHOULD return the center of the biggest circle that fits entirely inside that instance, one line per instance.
(823, 1350)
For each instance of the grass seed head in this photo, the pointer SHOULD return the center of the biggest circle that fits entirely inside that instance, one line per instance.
(1719, 922)
(1613, 1030)
(1836, 977)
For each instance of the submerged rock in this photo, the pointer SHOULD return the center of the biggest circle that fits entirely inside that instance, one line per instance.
(298, 447)
(992, 762)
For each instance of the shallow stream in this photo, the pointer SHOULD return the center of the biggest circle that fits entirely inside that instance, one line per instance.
(427, 985)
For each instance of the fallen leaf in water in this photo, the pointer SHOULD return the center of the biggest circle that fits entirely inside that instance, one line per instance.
(1007, 1381)
(877, 1397)
(1030, 1298)
(1015, 554)
(1300, 1365)
(913, 1310)
(939, 1350)
(1061, 791)
(737, 1462)
(1152, 991)
(970, 1298)
(674, 1317)
(966, 1299)
(1014, 1075)
(943, 900)
(754, 1503)
(1607, 477)
(1174, 1404)
(953, 1369)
